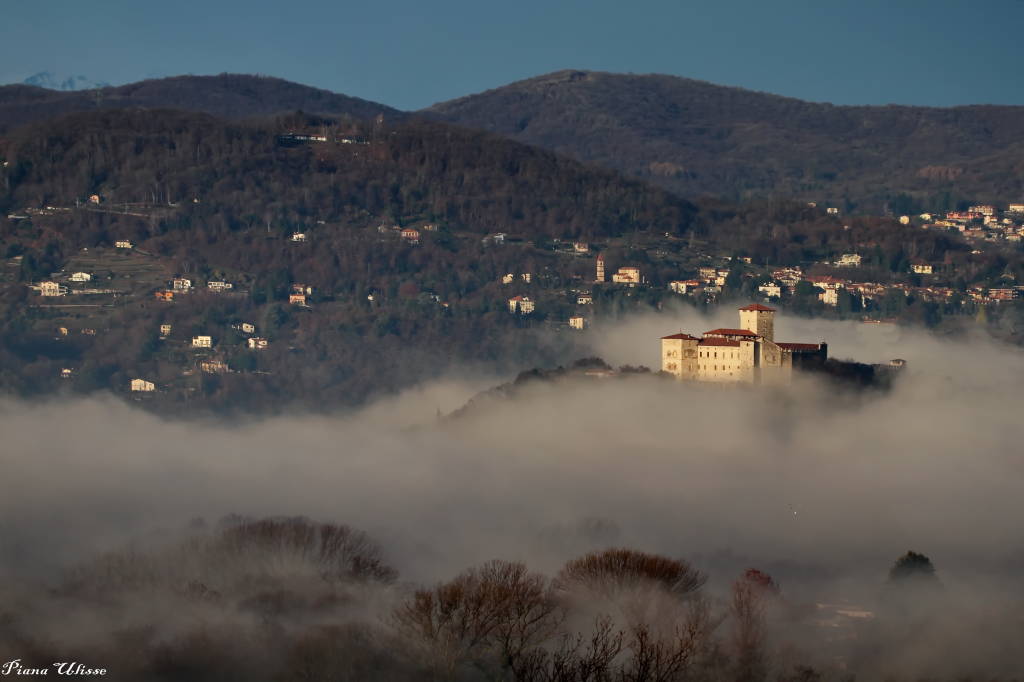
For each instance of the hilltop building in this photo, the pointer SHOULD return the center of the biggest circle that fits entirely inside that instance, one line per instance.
(749, 354)
(627, 275)
(600, 268)
(521, 305)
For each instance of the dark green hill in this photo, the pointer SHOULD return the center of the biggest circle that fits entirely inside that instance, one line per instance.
(698, 138)
(227, 95)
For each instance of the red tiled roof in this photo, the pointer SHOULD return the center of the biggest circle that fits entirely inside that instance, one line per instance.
(799, 346)
(760, 308)
(730, 332)
(681, 335)
(719, 342)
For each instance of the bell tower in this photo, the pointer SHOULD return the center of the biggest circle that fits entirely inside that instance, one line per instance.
(599, 276)
(759, 319)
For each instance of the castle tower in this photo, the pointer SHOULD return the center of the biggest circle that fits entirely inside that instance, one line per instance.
(600, 268)
(759, 319)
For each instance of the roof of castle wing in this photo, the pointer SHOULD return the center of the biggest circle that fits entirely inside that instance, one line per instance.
(730, 332)
(759, 308)
(719, 342)
(680, 335)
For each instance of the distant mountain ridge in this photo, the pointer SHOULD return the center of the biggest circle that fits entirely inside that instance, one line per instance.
(227, 95)
(52, 81)
(691, 137)
(695, 137)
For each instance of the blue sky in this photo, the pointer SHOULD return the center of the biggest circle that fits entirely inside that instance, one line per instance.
(410, 54)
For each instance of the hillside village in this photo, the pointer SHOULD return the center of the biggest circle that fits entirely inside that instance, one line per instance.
(187, 297)
(562, 295)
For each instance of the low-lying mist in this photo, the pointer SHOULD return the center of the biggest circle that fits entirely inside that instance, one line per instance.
(821, 487)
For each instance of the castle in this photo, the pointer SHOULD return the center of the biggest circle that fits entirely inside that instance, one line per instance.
(746, 355)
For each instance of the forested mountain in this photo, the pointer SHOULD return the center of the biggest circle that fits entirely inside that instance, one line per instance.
(228, 95)
(208, 199)
(314, 205)
(698, 138)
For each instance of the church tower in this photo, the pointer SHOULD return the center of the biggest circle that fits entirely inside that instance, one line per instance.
(600, 268)
(759, 319)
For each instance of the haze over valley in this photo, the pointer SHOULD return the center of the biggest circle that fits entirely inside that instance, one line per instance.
(578, 375)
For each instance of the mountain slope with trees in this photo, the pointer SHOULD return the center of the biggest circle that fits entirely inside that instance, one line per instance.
(227, 95)
(699, 138)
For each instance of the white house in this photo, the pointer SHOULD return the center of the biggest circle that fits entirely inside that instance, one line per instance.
(849, 260)
(165, 330)
(627, 275)
(181, 284)
(122, 244)
(771, 290)
(80, 277)
(143, 385)
(202, 342)
(684, 286)
(247, 327)
(213, 366)
(219, 286)
(577, 322)
(922, 268)
(508, 278)
(52, 289)
(832, 210)
(257, 343)
(829, 297)
(520, 304)
(298, 236)
(584, 299)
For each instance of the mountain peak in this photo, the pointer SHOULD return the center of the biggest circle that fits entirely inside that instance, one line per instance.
(52, 81)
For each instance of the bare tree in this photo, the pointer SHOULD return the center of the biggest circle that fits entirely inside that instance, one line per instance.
(615, 570)
(748, 636)
(489, 617)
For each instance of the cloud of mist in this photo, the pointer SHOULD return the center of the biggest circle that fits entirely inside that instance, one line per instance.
(819, 487)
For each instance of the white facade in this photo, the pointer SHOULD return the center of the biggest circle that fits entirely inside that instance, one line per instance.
(298, 236)
(627, 275)
(508, 278)
(219, 286)
(577, 322)
(181, 284)
(122, 244)
(143, 385)
(202, 342)
(165, 330)
(52, 289)
(771, 290)
(922, 268)
(247, 327)
(80, 277)
(257, 343)
(520, 304)
(849, 260)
